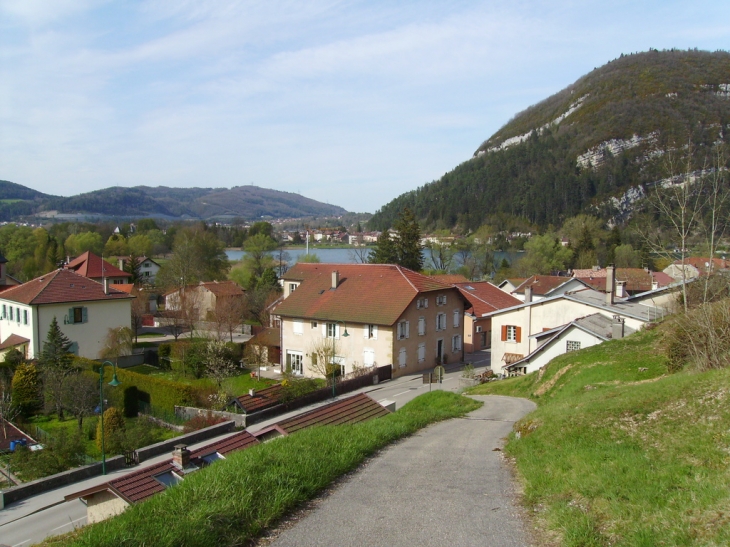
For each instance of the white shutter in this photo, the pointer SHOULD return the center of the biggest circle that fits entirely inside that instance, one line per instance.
(366, 331)
(337, 331)
(421, 326)
(425, 302)
(402, 357)
(375, 332)
(456, 318)
(324, 329)
(421, 352)
(408, 329)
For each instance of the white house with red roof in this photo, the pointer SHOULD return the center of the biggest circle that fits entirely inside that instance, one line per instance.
(392, 316)
(96, 268)
(85, 311)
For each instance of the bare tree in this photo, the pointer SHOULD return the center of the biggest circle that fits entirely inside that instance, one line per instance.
(257, 304)
(323, 353)
(140, 306)
(8, 410)
(228, 315)
(81, 396)
(118, 342)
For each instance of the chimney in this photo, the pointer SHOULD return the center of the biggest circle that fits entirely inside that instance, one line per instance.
(181, 456)
(610, 284)
(251, 392)
(528, 294)
(620, 289)
(120, 261)
(617, 328)
(335, 279)
(106, 285)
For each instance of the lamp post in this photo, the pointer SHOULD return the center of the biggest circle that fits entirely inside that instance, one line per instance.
(115, 382)
(344, 335)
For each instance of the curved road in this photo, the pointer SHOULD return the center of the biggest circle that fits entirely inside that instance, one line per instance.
(446, 485)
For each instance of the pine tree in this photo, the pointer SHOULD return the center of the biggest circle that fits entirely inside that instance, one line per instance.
(56, 364)
(384, 251)
(132, 266)
(408, 245)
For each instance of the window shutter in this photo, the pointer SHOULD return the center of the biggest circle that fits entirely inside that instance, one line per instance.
(337, 331)
(70, 316)
(324, 329)
(5, 311)
(84, 314)
(518, 334)
(425, 302)
(375, 332)
(25, 317)
(366, 331)
(504, 333)
(408, 329)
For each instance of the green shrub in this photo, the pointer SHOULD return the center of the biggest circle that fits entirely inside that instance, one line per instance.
(64, 451)
(26, 386)
(114, 425)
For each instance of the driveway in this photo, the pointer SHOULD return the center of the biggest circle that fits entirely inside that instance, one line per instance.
(446, 485)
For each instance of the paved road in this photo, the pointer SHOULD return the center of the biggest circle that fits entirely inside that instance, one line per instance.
(443, 486)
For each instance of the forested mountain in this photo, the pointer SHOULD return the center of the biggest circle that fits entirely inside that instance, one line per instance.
(249, 202)
(610, 131)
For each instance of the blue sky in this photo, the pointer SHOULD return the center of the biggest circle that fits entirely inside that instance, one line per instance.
(351, 103)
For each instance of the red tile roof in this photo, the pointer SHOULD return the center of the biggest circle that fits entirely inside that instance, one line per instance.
(541, 284)
(358, 408)
(700, 262)
(485, 297)
(93, 266)
(223, 288)
(450, 279)
(636, 279)
(12, 341)
(366, 293)
(263, 398)
(269, 336)
(58, 287)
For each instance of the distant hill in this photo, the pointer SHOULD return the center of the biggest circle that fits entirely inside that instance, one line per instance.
(583, 148)
(249, 202)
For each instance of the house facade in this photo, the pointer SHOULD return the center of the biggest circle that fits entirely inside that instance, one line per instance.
(84, 309)
(371, 315)
(546, 286)
(207, 297)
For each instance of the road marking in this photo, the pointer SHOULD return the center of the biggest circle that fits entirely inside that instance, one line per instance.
(63, 525)
(21, 543)
(402, 393)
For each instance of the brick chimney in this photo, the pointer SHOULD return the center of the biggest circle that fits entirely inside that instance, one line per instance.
(610, 284)
(335, 279)
(181, 456)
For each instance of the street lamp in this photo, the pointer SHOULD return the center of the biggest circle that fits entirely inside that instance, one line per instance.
(115, 382)
(344, 335)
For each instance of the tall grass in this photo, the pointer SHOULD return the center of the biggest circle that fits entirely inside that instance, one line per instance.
(233, 501)
(621, 453)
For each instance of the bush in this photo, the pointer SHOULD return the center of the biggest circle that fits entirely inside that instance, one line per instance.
(293, 388)
(114, 426)
(164, 351)
(701, 338)
(26, 386)
(65, 451)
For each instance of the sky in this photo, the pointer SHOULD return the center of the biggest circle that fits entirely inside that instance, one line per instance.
(346, 102)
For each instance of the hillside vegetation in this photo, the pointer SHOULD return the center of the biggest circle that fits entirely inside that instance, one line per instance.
(619, 452)
(593, 140)
(249, 202)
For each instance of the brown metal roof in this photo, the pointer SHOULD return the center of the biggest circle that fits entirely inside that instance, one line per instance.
(352, 410)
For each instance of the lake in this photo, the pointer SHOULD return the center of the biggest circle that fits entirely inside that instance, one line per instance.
(347, 256)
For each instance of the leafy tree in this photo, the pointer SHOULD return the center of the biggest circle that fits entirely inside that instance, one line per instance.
(626, 257)
(197, 255)
(261, 228)
(258, 259)
(310, 258)
(62, 452)
(545, 254)
(56, 365)
(118, 342)
(140, 245)
(116, 245)
(77, 244)
(146, 224)
(8, 409)
(12, 360)
(80, 396)
(26, 386)
(219, 362)
(384, 251)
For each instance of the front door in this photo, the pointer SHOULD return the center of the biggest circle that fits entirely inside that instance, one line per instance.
(296, 362)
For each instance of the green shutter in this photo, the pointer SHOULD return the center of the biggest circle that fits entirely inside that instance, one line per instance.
(84, 315)
(70, 316)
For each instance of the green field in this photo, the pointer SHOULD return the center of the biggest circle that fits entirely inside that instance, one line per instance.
(622, 456)
(235, 385)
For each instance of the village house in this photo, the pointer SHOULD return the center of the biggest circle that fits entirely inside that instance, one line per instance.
(148, 269)
(207, 298)
(629, 281)
(372, 315)
(94, 267)
(84, 309)
(519, 331)
(694, 266)
(546, 286)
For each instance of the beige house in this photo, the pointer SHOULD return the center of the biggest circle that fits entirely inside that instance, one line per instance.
(84, 309)
(206, 297)
(519, 331)
(371, 315)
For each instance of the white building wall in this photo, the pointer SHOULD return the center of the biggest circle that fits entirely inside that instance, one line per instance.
(8, 327)
(559, 347)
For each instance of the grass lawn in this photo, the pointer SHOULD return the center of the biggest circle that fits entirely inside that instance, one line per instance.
(237, 385)
(616, 455)
(233, 501)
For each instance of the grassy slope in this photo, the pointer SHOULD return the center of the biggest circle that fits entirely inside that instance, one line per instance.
(615, 456)
(233, 501)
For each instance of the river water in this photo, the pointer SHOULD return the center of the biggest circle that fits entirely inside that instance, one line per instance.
(347, 256)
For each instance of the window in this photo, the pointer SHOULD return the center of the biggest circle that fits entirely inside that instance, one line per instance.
(76, 315)
(421, 352)
(295, 362)
(441, 300)
(402, 357)
(25, 317)
(11, 313)
(298, 327)
(371, 332)
(332, 330)
(441, 321)
(368, 357)
(457, 318)
(292, 287)
(572, 345)
(169, 479)
(145, 274)
(511, 333)
(17, 314)
(456, 343)
(5, 311)
(422, 303)
(421, 326)
(403, 330)
(314, 324)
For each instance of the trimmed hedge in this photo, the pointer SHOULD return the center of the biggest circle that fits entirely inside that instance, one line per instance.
(157, 392)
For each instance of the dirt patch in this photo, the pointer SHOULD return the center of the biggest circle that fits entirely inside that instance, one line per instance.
(547, 386)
